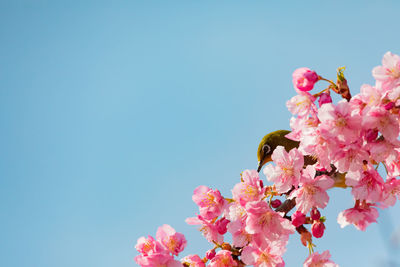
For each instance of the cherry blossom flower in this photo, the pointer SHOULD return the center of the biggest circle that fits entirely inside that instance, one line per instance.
(148, 246)
(174, 242)
(261, 219)
(319, 260)
(391, 191)
(302, 104)
(193, 261)
(350, 157)
(339, 122)
(251, 189)
(208, 229)
(288, 170)
(237, 216)
(366, 185)
(158, 259)
(223, 258)
(389, 73)
(270, 256)
(312, 192)
(381, 119)
(360, 216)
(210, 202)
(316, 145)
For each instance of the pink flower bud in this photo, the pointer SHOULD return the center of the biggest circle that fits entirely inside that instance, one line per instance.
(298, 218)
(276, 203)
(389, 105)
(304, 79)
(318, 229)
(315, 214)
(210, 254)
(371, 135)
(324, 98)
(221, 226)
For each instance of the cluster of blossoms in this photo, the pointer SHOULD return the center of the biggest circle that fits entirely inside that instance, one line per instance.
(340, 145)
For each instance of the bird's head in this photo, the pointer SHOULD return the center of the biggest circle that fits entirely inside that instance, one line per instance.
(270, 142)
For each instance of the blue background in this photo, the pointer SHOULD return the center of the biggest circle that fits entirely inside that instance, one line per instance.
(111, 113)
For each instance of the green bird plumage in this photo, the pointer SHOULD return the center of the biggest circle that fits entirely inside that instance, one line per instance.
(278, 138)
(270, 142)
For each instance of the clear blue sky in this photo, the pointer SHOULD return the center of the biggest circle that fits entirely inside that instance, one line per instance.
(112, 112)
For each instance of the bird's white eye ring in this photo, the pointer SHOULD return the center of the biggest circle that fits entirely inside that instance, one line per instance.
(266, 148)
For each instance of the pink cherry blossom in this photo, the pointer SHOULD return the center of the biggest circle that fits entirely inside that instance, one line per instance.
(288, 168)
(320, 260)
(394, 95)
(389, 73)
(382, 151)
(251, 189)
(391, 191)
(261, 219)
(339, 122)
(383, 120)
(312, 192)
(366, 185)
(302, 104)
(318, 146)
(360, 216)
(174, 242)
(301, 124)
(304, 79)
(237, 216)
(369, 95)
(350, 157)
(148, 246)
(270, 256)
(158, 259)
(392, 162)
(223, 258)
(208, 229)
(193, 261)
(210, 202)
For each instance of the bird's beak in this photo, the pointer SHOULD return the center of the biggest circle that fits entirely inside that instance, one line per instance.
(259, 166)
(262, 162)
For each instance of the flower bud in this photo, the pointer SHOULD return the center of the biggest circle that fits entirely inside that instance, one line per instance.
(298, 218)
(210, 254)
(304, 79)
(324, 98)
(315, 214)
(371, 135)
(221, 225)
(318, 229)
(276, 203)
(389, 105)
